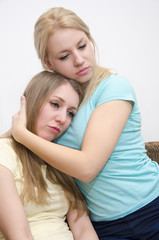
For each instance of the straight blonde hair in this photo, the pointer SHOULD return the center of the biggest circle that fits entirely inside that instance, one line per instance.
(56, 18)
(35, 187)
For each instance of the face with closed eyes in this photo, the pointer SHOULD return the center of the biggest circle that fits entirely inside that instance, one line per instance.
(57, 112)
(71, 54)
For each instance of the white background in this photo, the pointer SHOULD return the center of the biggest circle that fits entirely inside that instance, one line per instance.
(126, 33)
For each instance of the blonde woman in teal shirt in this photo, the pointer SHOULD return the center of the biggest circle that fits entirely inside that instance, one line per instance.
(103, 148)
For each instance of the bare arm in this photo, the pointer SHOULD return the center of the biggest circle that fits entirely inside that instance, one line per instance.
(104, 127)
(82, 229)
(13, 221)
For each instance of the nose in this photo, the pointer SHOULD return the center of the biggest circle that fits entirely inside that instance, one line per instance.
(78, 58)
(61, 117)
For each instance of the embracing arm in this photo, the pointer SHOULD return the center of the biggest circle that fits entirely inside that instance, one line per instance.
(102, 134)
(13, 221)
(82, 228)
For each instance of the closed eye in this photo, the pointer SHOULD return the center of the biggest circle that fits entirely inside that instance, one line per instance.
(83, 46)
(64, 57)
(54, 104)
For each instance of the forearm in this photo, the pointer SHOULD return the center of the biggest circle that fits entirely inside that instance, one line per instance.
(82, 227)
(86, 234)
(100, 138)
(58, 156)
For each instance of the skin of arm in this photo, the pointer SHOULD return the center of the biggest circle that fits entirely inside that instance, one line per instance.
(104, 127)
(82, 228)
(13, 220)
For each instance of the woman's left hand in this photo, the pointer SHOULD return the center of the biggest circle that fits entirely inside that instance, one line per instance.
(19, 120)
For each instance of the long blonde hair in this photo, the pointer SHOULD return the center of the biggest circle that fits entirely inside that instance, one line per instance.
(51, 21)
(35, 187)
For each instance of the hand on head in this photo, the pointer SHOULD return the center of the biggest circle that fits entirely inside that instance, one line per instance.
(19, 119)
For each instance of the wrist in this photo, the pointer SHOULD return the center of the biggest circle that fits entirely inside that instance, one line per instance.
(19, 134)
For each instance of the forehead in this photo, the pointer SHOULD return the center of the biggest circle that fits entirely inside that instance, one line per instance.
(65, 38)
(66, 93)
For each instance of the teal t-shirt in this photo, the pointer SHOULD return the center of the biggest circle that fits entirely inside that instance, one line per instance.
(129, 180)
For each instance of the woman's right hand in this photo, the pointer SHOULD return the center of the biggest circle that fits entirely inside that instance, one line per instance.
(19, 121)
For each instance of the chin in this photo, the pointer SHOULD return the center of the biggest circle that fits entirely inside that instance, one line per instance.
(50, 139)
(47, 138)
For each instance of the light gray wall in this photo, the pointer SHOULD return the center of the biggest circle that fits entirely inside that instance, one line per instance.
(127, 36)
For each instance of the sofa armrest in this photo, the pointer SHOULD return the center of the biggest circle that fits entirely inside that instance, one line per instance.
(153, 150)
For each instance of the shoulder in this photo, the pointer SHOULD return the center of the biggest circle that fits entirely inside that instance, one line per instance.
(113, 88)
(8, 157)
(114, 85)
(116, 81)
(5, 143)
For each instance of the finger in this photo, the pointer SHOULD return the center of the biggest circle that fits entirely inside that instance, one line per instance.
(15, 115)
(23, 103)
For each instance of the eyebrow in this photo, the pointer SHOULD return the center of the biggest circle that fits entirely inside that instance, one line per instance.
(63, 51)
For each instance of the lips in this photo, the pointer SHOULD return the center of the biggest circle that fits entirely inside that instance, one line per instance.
(83, 71)
(55, 129)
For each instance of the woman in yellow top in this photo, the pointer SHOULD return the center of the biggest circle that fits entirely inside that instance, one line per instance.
(36, 199)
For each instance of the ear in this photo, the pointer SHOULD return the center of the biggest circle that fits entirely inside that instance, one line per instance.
(48, 64)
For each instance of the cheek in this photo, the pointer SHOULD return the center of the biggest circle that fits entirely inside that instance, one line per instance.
(39, 126)
(91, 54)
(43, 116)
(67, 124)
(62, 67)
(65, 70)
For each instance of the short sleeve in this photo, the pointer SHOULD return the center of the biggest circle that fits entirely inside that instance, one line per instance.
(7, 155)
(114, 88)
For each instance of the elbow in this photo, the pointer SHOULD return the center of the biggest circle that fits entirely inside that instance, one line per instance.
(88, 175)
(87, 180)
(88, 169)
